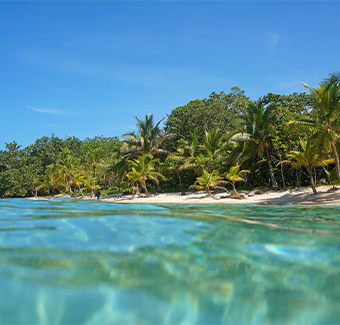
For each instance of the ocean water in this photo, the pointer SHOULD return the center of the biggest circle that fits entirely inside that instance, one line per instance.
(88, 262)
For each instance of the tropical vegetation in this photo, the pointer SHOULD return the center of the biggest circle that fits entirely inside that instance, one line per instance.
(210, 144)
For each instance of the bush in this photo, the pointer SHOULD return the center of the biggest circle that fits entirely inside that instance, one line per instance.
(111, 190)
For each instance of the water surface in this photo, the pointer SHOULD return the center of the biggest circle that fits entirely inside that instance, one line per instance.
(88, 262)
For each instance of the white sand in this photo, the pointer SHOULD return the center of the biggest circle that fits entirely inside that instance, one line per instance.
(303, 196)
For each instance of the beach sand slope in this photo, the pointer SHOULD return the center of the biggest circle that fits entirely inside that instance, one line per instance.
(303, 196)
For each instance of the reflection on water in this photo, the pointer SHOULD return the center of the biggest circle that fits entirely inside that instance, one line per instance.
(88, 262)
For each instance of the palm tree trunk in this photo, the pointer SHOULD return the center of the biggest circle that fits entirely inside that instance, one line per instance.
(234, 188)
(159, 188)
(81, 192)
(209, 193)
(245, 180)
(271, 171)
(311, 181)
(222, 188)
(139, 188)
(69, 188)
(282, 175)
(146, 190)
(298, 176)
(336, 158)
(180, 180)
(314, 169)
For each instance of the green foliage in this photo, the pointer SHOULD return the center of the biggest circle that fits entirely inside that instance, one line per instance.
(215, 112)
(255, 133)
(309, 158)
(111, 190)
(149, 139)
(235, 175)
(296, 104)
(212, 135)
(208, 181)
(324, 121)
(18, 170)
(142, 169)
(332, 177)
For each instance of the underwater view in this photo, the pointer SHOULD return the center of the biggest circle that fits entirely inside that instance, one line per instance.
(87, 262)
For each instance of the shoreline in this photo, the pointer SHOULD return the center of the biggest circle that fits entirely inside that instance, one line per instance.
(302, 196)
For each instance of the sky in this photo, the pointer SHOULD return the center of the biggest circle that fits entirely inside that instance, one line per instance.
(89, 68)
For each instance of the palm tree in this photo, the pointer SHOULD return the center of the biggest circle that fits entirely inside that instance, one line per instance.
(65, 167)
(94, 159)
(334, 76)
(78, 180)
(142, 169)
(209, 181)
(187, 152)
(90, 184)
(213, 151)
(235, 175)
(149, 139)
(118, 167)
(324, 122)
(49, 181)
(186, 155)
(193, 155)
(332, 177)
(255, 134)
(214, 143)
(110, 175)
(310, 158)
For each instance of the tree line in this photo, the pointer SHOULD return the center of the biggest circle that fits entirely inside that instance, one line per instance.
(276, 141)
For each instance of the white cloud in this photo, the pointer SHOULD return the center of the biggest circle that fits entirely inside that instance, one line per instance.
(146, 75)
(54, 125)
(273, 39)
(295, 84)
(48, 110)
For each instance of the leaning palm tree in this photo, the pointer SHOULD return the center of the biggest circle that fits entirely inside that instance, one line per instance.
(78, 180)
(142, 169)
(149, 139)
(235, 175)
(209, 181)
(310, 158)
(324, 123)
(254, 134)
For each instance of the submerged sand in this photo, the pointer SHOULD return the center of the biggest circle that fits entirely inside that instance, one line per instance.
(303, 196)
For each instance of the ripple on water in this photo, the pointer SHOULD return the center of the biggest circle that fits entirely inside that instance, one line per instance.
(77, 261)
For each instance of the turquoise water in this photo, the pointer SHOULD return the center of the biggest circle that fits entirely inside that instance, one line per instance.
(89, 262)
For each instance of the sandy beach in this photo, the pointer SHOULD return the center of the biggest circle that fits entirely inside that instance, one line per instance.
(303, 196)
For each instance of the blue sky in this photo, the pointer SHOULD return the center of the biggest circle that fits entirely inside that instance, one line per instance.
(87, 69)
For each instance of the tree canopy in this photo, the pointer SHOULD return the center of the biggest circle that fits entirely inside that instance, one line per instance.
(215, 112)
(208, 143)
